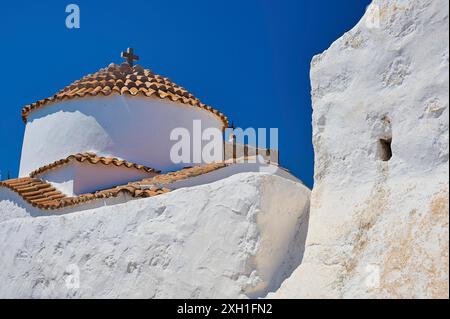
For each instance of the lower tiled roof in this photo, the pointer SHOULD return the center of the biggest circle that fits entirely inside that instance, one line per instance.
(43, 195)
(33, 190)
(93, 159)
(185, 173)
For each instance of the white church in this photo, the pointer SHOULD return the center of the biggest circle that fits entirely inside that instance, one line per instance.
(107, 136)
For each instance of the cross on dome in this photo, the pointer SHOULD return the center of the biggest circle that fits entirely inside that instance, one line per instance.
(129, 56)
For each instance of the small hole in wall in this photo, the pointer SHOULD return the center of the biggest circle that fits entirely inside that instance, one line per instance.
(385, 149)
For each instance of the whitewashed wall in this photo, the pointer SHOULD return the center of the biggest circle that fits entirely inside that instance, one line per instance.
(133, 128)
(379, 229)
(231, 170)
(82, 178)
(236, 238)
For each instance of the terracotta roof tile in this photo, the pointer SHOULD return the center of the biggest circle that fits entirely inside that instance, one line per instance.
(93, 159)
(33, 190)
(124, 79)
(43, 195)
(185, 173)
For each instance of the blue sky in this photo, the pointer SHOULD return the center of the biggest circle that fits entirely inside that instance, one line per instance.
(249, 59)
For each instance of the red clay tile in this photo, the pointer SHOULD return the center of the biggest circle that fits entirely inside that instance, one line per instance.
(123, 79)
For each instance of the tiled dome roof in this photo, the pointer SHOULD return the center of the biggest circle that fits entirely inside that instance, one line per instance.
(124, 79)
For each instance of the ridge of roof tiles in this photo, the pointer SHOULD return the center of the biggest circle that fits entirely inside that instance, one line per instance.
(185, 173)
(124, 79)
(43, 195)
(93, 159)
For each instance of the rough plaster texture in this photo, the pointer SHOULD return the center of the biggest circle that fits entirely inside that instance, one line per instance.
(379, 228)
(238, 237)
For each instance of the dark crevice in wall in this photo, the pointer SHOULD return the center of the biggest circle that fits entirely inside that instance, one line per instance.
(386, 149)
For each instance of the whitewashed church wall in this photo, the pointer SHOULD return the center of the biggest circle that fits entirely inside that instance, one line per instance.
(133, 128)
(62, 178)
(11, 205)
(233, 170)
(81, 178)
(90, 178)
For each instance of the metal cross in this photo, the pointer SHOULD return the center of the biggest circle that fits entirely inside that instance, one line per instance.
(129, 56)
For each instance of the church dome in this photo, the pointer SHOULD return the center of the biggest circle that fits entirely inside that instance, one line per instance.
(122, 111)
(124, 79)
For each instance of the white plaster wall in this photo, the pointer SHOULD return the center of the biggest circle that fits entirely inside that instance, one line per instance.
(62, 178)
(12, 205)
(228, 171)
(90, 178)
(133, 128)
(81, 178)
(380, 229)
(237, 237)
